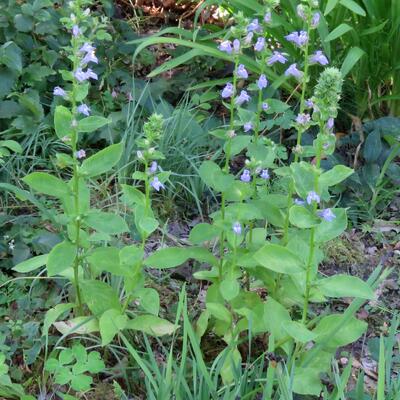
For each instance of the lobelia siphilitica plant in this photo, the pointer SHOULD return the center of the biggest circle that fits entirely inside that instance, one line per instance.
(105, 280)
(267, 240)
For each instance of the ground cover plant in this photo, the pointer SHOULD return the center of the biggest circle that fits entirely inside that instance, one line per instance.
(90, 304)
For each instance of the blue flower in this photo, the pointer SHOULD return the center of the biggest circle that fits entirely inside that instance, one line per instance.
(59, 92)
(80, 154)
(276, 57)
(84, 109)
(301, 12)
(303, 119)
(313, 196)
(245, 177)
(237, 228)
(226, 46)
(315, 19)
(264, 174)
(260, 44)
(327, 214)
(265, 106)
(156, 184)
(153, 167)
(248, 126)
(267, 17)
(87, 48)
(76, 31)
(89, 57)
(262, 82)
(248, 38)
(330, 124)
(242, 98)
(298, 38)
(319, 58)
(236, 46)
(293, 71)
(299, 202)
(254, 26)
(242, 72)
(227, 91)
(309, 103)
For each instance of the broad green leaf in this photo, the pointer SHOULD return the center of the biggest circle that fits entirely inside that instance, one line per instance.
(106, 259)
(31, 264)
(230, 366)
(102, 161)
(237, 144)
(53, 314)
(302, 217)
(151, 325)
(219, 311)
(335, 175)
(353, 6)
(372, 146)
(147, 225)
(149, 300)
(326, 230)
(202, 323)
(90, 124)
(110, 323)
(60, 258)
(307, 381)
(132, 196)
(303, 175)
(279, 259)
(229, 288)
(203, 232)
(338, 31)
(109, 223)
(330, 5)
(214, 177)
(345, 286)
(48, 184)
(12, 145)
(10, 55)
(334, 331)
(63, 122)
(352, 57)
(99, 296)
(298, 331)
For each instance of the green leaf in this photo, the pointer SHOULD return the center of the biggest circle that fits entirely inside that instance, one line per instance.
(170, 257)
(214, 177)
(345, 286)
(132, 196)
(151, 325)
(48, 184)
(353, 6)
(60, 258)
(302, 218)
(279, 259)
(90, 124)
(203, 232)
(338, 31)
(63, 122)
(23, 23)
(149, 300)
(330, 5)
(352, 57)
(335, 175)
(298, 331)
(99, 296)
(10, 55)
(372, 146)
(110, 323)
(229, 288)
(335, 331)
(12, 145)
(326, 230)
(238, 143)
(219, 311)
(104, 222)
(53, 314)
(147, 225)
(307, 381)
(102, 161)
(31, 264)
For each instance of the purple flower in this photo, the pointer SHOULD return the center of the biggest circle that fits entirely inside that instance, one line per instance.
(76, 31)
(254, 26)
(87, 48)
(227, 91)
(237, 228)
(260, 44)
(90, 57)
(153, 167)
(315, 19)
(293, 71)
(265, 106)
(84, 109)
(319, 58)
(268, 17)
(248, 126)
(309, 103)
(156, 184)
(330, 124)
(312, 196)
(303, 119)
(245, 177)
(226, 46)
(277, 57)
(299, 202)
(236, 45)
(248, 38)
(265, 174)
(80, 154)
(91, 74)
(242, 98)
(59, 92)
(327, 214)
(262, 82)
(242, 72)
(298, 38)
(80, 75)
